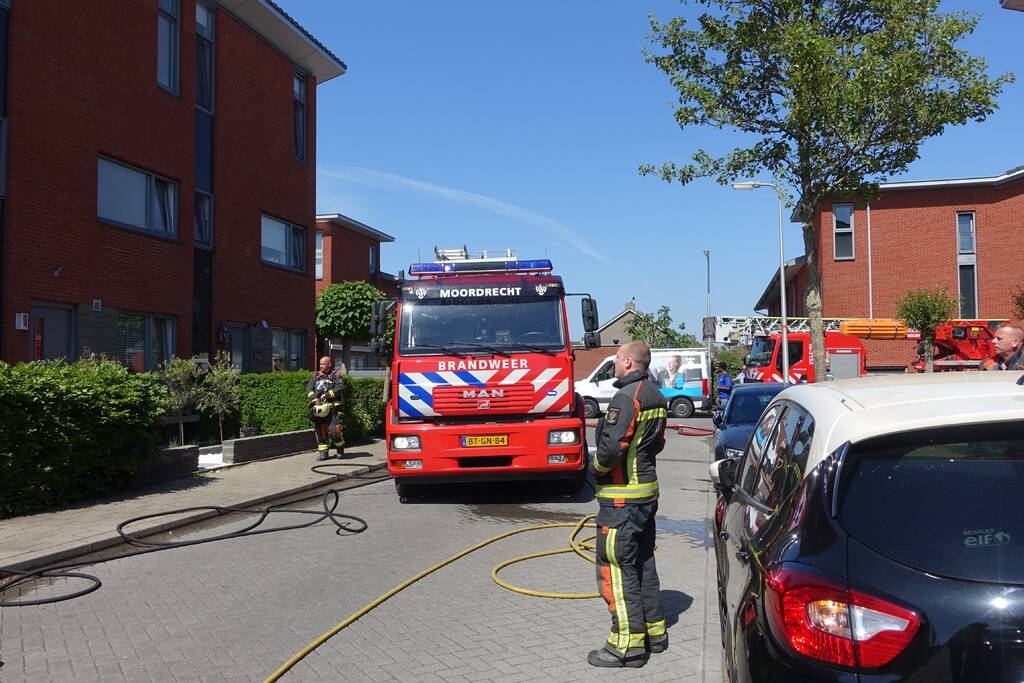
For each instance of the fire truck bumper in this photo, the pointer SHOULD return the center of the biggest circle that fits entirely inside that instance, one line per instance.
(487, 452)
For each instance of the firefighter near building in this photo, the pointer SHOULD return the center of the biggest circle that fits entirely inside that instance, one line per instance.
(480, 384)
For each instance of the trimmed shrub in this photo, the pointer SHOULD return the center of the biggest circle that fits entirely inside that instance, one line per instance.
(73, 431)
(276, 402)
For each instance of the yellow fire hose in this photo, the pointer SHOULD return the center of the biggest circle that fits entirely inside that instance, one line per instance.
(581, 548)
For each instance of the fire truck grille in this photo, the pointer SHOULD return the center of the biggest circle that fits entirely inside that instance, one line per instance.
(509, 398)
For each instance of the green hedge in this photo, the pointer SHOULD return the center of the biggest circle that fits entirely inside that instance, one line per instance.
(276, 402)
(73, 431)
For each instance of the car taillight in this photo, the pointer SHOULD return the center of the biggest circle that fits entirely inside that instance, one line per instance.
(704, 387)
(824, 621)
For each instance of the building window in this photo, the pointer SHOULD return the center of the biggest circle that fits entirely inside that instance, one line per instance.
(373, 260)
(842, 232)
(167, 45)
(965, 232)
(202, 233)
(287, 349)
(144, 341)
(319, 242)
(283, 244)
(204, 57)
(299, 95)
(968, 292)
(132, 198)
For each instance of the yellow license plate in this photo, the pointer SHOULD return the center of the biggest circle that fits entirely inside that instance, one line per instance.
(485, 441)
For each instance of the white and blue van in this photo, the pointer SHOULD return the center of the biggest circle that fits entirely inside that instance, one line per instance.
(683, 375)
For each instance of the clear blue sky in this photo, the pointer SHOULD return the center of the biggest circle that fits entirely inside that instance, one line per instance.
(522, 125)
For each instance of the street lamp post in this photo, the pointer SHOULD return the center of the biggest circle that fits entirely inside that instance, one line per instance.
(782, 273)
(707, 256)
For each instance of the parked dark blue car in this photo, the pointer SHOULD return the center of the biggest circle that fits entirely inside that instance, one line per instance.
(736, 423)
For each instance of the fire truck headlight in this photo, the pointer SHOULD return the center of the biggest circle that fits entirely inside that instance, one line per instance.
(563, 437)
(405, 443)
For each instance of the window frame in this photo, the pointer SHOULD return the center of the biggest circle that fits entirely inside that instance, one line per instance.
(300, 116)
(151, 180)
(837, 231)
(149, 329)
(960, 293)
(208, 38)
(318, 255)
(289, 241)
(974, 233)
(294, 345)
(208, 243)
(174, 20)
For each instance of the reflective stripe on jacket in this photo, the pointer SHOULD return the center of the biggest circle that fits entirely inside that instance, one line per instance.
(327, 385)
(629, 436)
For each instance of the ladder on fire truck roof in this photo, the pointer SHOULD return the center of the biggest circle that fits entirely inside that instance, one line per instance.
(737, 329)
(462, 254)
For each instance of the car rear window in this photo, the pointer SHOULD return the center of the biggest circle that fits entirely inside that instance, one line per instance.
(945, 501)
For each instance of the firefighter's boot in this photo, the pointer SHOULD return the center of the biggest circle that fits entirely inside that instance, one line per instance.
(602, 657)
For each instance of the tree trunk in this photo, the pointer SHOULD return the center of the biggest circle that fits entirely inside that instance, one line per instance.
(181, 430)
(929, 352)
(220, 427)
(812, 301)
(346, 353)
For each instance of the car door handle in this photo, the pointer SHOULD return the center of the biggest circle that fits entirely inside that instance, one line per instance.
(724, 535)
(743, 556)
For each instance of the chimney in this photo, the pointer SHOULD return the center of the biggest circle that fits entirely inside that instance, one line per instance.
(631, 305)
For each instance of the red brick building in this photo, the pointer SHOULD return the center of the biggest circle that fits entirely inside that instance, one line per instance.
(349, 250)
(160, 181)
(959, 233)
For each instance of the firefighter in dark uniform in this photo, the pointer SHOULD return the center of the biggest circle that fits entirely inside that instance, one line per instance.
(1009, 345)
(629, 437)
(326, 391)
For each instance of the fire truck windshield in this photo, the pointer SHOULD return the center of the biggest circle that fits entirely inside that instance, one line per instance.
(761, 352)
(439, 326)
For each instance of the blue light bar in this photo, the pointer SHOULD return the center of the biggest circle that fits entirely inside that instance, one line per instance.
(532, 266)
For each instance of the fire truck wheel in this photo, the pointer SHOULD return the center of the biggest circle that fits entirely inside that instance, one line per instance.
(681, 407)
(405, 490)
(590, 408)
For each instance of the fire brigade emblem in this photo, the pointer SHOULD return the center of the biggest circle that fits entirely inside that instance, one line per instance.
(541, 288)
(420, 292)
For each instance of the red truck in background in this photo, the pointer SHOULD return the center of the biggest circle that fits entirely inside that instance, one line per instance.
(844, 357)
(961, 345)
(481, 374)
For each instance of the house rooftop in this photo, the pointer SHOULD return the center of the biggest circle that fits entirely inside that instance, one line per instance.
(287, 36)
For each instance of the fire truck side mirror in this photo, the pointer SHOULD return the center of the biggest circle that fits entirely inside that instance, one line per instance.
(589, 309)
(379, 322)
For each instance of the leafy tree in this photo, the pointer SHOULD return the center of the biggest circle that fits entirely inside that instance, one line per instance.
(656, 330)
(344, 311)
(832, 96)
(220, 394)
(925, 310)
(183, 378)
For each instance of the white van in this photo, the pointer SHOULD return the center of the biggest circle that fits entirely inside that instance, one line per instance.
(681, 374)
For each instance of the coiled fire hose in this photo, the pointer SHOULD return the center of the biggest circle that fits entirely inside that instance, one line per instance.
(581, 548)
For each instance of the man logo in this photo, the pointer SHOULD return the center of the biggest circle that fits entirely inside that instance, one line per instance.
(484, 405)
(483, 393)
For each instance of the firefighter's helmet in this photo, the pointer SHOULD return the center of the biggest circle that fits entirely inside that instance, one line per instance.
(322, 409)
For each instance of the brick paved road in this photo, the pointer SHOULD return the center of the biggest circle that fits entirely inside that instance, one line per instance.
(236, 610)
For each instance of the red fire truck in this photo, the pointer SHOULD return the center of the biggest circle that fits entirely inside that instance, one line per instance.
(961, 344)
(844, 357)
(481, 379)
